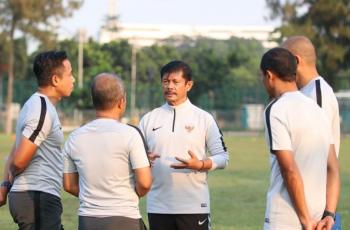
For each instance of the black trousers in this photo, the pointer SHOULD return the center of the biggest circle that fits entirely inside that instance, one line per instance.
(179, 221)
(34, 210)
(110, 223)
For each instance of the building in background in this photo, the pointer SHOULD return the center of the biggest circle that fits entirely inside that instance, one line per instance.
(148, 34)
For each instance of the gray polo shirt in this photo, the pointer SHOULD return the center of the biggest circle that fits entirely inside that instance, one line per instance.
(38, 121)
(105, 154)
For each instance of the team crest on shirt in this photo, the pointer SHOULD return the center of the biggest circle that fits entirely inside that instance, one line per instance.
(189, 128)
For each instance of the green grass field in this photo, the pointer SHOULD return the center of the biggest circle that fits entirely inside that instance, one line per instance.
(237, 193)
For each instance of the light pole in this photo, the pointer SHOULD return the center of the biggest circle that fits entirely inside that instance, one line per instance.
(133, 83)
(81, 40)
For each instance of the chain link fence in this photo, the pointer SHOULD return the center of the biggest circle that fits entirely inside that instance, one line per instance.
(246, 114)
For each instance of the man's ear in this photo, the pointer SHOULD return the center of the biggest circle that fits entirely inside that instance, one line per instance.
(121, 103)
(270, 75)
(297, 58)
(189, 85)
(55, 80)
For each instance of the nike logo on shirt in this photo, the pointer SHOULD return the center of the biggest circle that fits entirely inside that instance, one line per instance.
(201, 222)
(154, 129)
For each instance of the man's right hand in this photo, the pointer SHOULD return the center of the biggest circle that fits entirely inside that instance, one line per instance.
(152, 157)
(310, 225)
(3, 196)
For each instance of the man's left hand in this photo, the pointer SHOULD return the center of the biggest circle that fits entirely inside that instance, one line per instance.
(325, 224)
(192, 163)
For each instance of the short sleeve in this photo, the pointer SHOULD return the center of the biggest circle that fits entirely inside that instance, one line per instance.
(138, 155)
(68, 164)
(279, 136)
(142, 127)
(37, 124)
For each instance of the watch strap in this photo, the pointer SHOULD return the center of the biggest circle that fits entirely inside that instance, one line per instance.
(328, 213)
(6, 184)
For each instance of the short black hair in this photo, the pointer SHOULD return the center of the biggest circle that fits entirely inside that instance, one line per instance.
(280, 61)
(47, 64)
(177, 66)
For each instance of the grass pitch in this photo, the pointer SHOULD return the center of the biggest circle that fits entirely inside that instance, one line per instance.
(237, 193)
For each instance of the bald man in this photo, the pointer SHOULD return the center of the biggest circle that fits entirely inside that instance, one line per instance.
(106, 163)
(311, 84)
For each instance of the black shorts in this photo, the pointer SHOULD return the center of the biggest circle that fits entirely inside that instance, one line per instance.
(179, 221)
(110, 223)
(33, 210)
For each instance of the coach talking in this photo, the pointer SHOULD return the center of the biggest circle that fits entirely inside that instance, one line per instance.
(178, 134)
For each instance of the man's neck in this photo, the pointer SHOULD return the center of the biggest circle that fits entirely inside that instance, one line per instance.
(177, 103)
(307, 76)
(285, 88)
(50, 93)
(109, 114)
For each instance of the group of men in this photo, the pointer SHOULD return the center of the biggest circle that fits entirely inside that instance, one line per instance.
(302, 131)
(110, 165)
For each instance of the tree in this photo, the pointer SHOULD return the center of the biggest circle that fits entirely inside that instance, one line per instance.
(327, 24)
(149, 62)
(111, 57)
(222, 70)
(34, 18)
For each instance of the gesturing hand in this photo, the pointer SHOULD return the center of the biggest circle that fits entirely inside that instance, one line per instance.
(192, 163)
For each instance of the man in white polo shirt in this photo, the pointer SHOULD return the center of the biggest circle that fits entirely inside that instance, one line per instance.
(106, 163)
(178, 134)
(35, 165)
(311, 84)
(304, 182)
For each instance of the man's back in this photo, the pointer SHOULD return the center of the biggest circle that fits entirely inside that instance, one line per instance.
(105, 152)
(296, 124)
(319, 90)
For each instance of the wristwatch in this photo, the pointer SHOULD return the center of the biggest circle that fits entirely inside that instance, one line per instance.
(6, 184)
(328, 213)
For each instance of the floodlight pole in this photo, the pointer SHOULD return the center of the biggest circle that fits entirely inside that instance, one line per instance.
(81, 39)
(133, 82)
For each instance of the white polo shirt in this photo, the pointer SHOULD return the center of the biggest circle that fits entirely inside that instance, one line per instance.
(38, 121)
(319, 90)
(105, 154)
(296, 123)
(172, 131)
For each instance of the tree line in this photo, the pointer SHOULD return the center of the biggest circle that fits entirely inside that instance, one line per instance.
(226, 72)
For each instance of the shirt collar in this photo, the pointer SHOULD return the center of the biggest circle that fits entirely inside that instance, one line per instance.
(310, 82)
(185, 104)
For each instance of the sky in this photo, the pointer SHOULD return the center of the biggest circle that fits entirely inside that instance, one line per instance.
(184, 12)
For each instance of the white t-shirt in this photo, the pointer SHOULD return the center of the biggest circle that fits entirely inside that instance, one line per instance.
(295, 123)
(319, 90)
(38, 121)
(172, 131)
(105, 153)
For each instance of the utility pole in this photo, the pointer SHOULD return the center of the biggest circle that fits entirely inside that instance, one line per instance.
(133, 83)
(81, 40)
